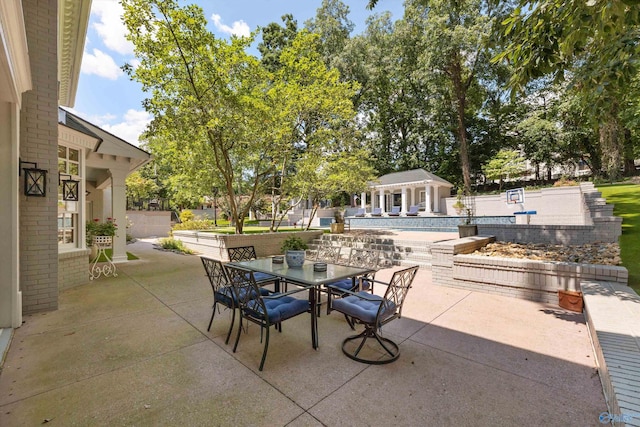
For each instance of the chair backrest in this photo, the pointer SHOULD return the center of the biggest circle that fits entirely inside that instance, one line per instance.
(414, 209)
(242, 253)
(360, 212)
(328, 253)
(396, 294)
(364, 258)
(395, 209)
(376, 211)
(216, 273)
(247, 291)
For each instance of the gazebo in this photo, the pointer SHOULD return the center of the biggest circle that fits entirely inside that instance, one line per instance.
(404, 189)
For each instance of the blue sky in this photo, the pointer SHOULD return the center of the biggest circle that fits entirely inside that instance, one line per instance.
(106, 96)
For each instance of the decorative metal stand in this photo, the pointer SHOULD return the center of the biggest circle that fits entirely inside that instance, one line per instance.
(106, 268)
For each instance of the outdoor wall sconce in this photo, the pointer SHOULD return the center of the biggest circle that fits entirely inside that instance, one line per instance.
(35, 179)
(69, 188)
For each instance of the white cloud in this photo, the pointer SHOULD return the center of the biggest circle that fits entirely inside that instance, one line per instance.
(100, 64)
(110, 27)
(134, 124)
(238, 28)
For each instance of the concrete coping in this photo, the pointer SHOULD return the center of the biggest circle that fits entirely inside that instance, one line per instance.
(613, 316)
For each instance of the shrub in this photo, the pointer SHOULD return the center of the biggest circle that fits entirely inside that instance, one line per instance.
(196, 224)
(565, 182)
(186, 215)
(172, 244)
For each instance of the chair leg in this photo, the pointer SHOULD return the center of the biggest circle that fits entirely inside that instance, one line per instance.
(233, 319)
(391, 350)
(213, 313)
(235, 346)
(266, 347)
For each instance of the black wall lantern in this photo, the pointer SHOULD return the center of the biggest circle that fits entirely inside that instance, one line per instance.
(69, 188)
(35, 180)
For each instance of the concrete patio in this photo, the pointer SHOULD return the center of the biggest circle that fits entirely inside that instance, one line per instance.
(134, 350)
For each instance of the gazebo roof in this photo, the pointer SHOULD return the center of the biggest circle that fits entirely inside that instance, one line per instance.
(408, 178)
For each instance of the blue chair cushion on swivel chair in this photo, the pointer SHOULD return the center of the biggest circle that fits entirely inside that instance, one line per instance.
(364, 306)
(347, 284)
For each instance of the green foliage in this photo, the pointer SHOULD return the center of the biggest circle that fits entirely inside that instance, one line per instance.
(99, 228)
(506, 164)
(293, 243)
(172, 244)
(140, 187)
(200, 224)
(186, 215)
(626, 204)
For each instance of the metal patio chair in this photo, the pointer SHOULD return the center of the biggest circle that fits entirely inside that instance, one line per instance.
(373, 312)
(265, 311)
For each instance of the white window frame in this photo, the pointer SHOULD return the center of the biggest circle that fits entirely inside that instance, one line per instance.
(78, 213)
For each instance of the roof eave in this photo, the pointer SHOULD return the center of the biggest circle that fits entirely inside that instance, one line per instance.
(73, 20)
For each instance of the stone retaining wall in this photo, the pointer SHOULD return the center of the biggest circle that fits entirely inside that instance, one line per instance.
(521, 278)
(215, 245)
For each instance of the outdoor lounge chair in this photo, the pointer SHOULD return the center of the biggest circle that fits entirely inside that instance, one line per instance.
(395, 211)
(265, 311)
(373, 312)
(376, 212)
(413, 210)
(359, 213)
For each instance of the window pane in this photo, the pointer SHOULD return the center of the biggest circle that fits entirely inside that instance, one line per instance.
(73, 155)
(62, 166)
(73, 168)
(62, 152)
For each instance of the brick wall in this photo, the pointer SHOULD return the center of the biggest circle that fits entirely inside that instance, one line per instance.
(39, 143)
(73, 269)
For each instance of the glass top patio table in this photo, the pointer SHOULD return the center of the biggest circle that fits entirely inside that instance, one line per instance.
(304, 276)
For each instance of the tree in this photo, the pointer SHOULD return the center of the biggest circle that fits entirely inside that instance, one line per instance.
(506, 164)
(333, 25)
(139, 187)
(593, 44)
(276, 38)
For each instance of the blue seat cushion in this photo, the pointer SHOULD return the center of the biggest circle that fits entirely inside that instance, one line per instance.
(225, 295)
(364, 309)
(279, 309)
(347, 284)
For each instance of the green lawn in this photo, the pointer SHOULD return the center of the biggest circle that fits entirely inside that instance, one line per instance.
(130, 256)
(626, 198)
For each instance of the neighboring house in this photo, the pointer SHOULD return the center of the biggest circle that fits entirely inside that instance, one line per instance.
(40, 55)
(404, 189)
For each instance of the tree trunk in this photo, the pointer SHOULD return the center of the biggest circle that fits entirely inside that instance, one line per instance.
(611, 139)
(461, 103)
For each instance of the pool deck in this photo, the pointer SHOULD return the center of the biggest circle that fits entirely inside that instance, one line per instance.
(134, 350)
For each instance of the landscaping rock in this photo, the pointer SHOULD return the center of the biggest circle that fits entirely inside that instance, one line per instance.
(595, 253)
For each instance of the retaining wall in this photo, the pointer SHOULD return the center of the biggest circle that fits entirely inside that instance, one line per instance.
(149, 223)
(215, 245)
(521, 278)
(73, 268)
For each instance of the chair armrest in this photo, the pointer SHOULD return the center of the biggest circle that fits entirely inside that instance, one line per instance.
(284, 294)
(366, 296)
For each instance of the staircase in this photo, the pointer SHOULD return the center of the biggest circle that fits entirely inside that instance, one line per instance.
(394, 252)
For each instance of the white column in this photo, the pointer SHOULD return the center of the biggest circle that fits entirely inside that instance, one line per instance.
(436, 198)
(403, 208)
(373, 199)
(10, 294)
(427, 199)
(381, 199)
(119, 213)
(363, 200)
